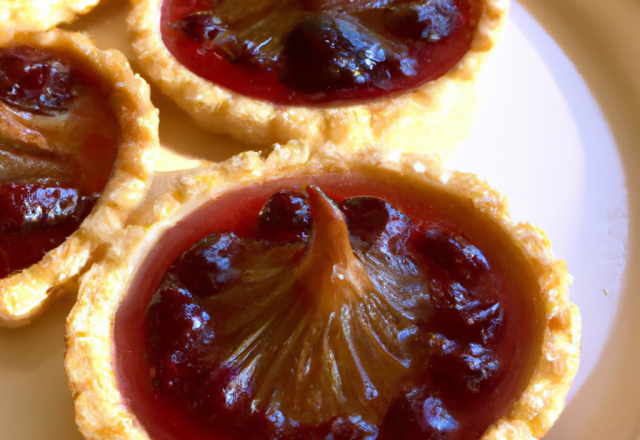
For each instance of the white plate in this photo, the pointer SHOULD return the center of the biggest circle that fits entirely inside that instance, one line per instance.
(541, 139)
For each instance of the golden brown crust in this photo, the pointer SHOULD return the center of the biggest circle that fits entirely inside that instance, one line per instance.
(100, 411)
(433, 118)
(39, 15)
(23, 295)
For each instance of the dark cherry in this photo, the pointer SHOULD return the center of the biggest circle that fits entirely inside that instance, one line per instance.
(465, 313)
(418, 415)
(324, 54)
(464, 367)
(205, 27)
(29, 206)
(210, 265)
(462, 287)
(452, 253)
(201, 26)
(36, 218)
(216, 263)
(372, 221)
(34, 81)
(430, 21)
(176, 348)
(285, 217)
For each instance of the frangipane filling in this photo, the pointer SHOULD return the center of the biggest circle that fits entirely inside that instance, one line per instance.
(318, 51)
(58, 145)
(332, 318)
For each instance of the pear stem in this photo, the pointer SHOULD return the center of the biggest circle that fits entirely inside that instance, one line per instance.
(330, 271)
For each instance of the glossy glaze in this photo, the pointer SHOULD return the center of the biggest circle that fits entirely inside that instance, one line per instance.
(305, 52)
(476, 338)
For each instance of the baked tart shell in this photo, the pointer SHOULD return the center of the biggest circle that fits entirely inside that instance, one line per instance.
(101, 410)
(23, 295)
(39, 15)
(434, 118)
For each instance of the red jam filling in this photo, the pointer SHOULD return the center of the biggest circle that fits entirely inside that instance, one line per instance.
(302, 52)
(403, 314)
(34, 81)
(35, 218)
(39, 211)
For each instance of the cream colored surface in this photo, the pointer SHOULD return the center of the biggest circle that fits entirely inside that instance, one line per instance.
(601, 39)
(39, 15)
(607, 405)
(25, 294)
(434, 118)
(100, 410)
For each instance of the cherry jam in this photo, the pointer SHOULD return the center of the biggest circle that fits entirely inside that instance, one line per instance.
(299, 52)
(460, 338)
(34, 81)
(39, 214)
(35, 218)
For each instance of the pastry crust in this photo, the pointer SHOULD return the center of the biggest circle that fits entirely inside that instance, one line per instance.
(101, 412)
(433, 118)
(39, 15)
(23, 295)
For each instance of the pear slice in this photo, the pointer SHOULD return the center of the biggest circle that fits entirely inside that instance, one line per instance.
(326, 337)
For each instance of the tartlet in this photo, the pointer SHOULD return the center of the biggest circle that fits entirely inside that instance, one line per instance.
(39, 15)
(91, 130)
(432, 117)
(108, 368)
